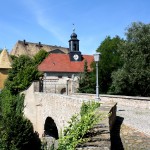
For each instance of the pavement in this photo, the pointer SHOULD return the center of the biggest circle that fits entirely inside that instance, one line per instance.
(136, 118)
(134, 128)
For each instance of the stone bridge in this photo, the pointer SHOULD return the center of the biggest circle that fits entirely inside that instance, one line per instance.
(48, 110)
(49, 113)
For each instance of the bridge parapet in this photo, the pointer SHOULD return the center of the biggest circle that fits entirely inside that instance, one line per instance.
(133, 101)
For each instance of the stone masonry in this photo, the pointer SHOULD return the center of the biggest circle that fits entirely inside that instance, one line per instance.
(39, 106)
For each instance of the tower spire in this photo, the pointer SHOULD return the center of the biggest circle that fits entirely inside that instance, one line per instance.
(73, 28)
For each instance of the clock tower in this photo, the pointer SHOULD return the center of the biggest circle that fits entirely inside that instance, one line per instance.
(75, 54)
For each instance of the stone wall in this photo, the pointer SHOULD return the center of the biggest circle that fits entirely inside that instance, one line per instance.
(134, 101)
(60, 82)
(3, 77)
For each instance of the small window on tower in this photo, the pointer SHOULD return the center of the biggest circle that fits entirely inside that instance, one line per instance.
(74, 47)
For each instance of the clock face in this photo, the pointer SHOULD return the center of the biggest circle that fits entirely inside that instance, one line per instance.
(76, 57)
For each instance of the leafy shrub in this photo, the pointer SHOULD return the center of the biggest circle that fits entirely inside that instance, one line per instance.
(87, 107)
(79, 125)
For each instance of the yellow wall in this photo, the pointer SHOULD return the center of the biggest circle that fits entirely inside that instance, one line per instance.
(3, 77)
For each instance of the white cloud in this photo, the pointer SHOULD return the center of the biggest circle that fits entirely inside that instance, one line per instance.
(45, 20)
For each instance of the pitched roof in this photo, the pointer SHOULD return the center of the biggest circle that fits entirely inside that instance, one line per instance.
(5, 60)
(62, 63)
(30, 49)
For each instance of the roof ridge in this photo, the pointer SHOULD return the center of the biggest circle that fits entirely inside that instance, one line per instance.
(40, 43)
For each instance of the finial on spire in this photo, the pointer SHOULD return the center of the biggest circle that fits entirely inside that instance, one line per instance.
(73, 28)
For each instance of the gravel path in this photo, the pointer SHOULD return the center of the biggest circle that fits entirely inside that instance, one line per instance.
(137, 118)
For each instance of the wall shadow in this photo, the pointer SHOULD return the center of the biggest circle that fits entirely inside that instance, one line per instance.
(116, 143)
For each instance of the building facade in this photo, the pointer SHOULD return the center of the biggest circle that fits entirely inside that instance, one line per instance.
(30, 49)
(62, 71)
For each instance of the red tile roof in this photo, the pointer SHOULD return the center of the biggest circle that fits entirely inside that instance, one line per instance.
(62, 63)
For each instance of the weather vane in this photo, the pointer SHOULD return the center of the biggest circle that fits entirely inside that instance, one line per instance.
(73, 28)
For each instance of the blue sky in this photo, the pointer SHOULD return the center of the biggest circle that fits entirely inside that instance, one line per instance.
(50, 21)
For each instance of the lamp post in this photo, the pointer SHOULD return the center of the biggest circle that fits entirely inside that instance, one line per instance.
(67, 87)
(96, 59)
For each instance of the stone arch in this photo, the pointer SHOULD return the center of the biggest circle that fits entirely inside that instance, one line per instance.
(50, 128)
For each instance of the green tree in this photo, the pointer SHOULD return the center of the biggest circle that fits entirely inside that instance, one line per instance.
(23, 73)
(86, 81)
(38, 58)
(13, 57)
(109, 61)
(16, 132)
(134, 77)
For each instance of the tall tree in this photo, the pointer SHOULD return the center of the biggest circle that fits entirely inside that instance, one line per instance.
(38, 58)
(23, 72)
(134, 77)
(86, 81)
(109, 61)
(16, 132)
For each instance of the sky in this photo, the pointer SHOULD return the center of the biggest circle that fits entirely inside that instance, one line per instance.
(51, 21)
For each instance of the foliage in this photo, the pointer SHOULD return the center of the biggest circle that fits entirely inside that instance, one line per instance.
(134, 77)
(79, 126)
(86, 81)
(109, 61)
(13, 57)
(11, 103)
(16, 132)
(38, 58)
(22, 74)
(88, 107)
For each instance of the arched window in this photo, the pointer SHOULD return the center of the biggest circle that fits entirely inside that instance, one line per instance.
(63, 91)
